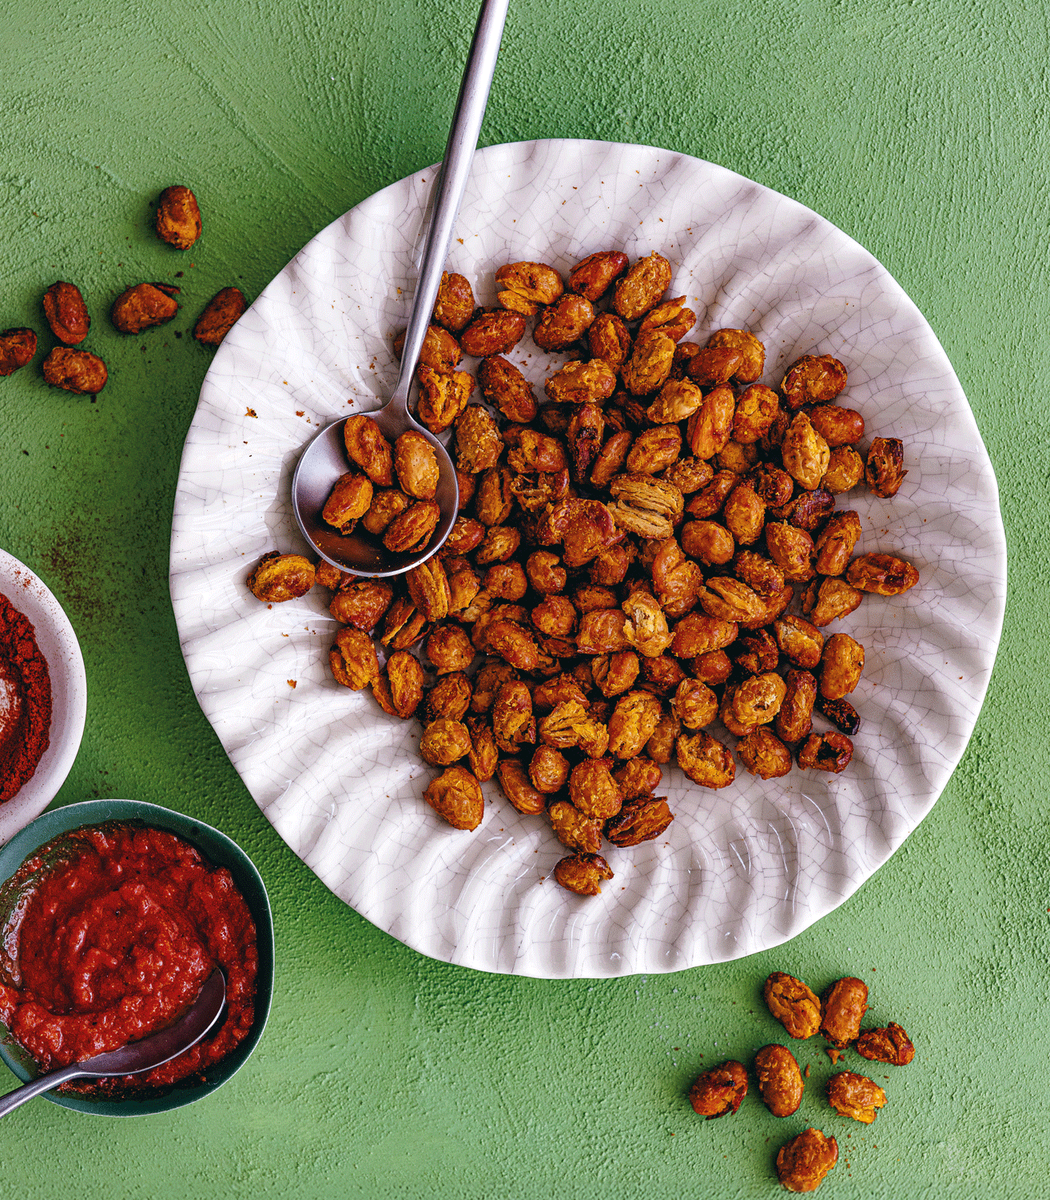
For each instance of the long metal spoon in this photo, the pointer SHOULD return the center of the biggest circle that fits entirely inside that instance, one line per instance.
(139, 1056)
(324, 459)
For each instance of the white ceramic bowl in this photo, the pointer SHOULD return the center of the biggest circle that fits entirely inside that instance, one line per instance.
(59, 646)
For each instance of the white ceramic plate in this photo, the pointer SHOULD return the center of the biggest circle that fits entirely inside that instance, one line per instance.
(740, 870)
(59, 646)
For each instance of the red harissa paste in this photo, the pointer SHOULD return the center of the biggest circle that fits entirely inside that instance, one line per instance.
(111, 930)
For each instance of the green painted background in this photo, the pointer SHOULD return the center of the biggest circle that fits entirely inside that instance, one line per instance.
(920, 127)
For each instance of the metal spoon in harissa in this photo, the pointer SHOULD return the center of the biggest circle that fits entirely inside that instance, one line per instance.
(324, 459)
(139, 1056)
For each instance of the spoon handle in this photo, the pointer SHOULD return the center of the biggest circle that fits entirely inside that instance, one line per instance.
(452, 180)
(43, 1083)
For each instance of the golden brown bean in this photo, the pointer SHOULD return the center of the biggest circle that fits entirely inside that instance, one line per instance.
(719, 1091)
(845, 1004)
(803, 1162)
(779, 1080)
(793, 1004)
(853, 1095)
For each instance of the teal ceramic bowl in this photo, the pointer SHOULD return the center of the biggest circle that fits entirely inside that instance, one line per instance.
(218, 849)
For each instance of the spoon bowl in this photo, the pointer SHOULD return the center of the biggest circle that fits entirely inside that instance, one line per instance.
(321, 464)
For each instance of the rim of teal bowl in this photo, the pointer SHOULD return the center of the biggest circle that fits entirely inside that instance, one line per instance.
(219, 849)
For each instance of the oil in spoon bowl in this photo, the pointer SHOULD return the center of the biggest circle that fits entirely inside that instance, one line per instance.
(324, 460)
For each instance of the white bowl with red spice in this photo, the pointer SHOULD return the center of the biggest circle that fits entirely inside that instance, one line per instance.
(32, 777)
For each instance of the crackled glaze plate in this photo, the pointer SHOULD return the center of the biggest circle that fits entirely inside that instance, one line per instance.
(741, 869)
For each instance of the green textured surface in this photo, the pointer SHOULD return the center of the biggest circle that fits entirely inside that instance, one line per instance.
(920, 127)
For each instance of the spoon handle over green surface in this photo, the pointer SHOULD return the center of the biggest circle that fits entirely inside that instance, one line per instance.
(36, 1086)
(451, 183)
(43, 1083)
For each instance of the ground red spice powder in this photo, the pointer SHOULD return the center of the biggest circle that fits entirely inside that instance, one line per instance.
(25, 701)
